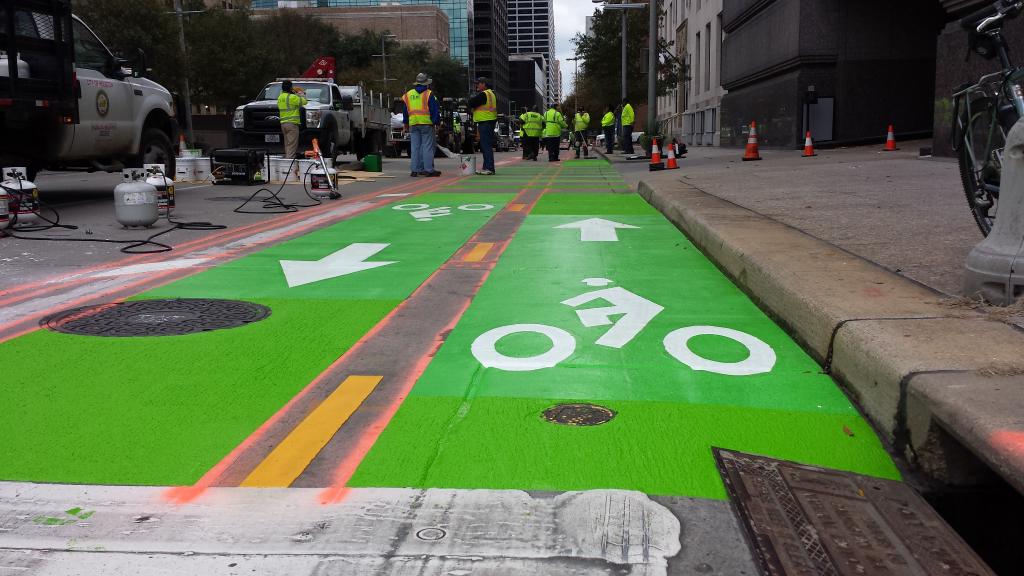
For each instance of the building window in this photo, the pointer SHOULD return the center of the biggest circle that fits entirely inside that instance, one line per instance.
(696, 66)
(707, 57)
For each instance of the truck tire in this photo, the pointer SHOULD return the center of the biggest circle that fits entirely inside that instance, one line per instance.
(155, 148)
(358, 146)
(329, 143)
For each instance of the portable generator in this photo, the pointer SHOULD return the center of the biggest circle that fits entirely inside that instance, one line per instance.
(236, 165)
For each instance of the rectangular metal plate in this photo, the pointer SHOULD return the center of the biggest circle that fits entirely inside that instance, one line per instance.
(810, 521)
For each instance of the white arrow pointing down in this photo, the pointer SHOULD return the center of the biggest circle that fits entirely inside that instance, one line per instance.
(597, 229)
(345, 261)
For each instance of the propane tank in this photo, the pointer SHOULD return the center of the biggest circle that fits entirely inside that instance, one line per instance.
(320, 182)
(5, 211)
(23, 69)
(22, 195)
(135, 201)
(164, 188)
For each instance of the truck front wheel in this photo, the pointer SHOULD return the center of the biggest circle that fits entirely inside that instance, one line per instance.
(156, 148)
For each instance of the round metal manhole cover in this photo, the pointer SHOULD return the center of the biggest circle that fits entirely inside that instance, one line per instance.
(431, 534)
(156, 317)
(578, 414)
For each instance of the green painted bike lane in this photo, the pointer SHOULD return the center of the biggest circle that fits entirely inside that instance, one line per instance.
(164, 410)
(465, 425)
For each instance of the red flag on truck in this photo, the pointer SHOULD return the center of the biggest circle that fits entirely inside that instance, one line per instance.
(323, 67)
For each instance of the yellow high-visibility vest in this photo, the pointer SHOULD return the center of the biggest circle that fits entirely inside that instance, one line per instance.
(554, 122)
(627, 115)
(533, 123)
(418, 106)
(581, 121)
(288, 106)
(489, 111)
(608, 120)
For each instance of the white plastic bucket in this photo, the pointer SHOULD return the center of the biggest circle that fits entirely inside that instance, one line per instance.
(191, 169)
(468, 165)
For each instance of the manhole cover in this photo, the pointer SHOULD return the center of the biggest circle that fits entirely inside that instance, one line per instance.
(431, 534)
(156, 317)
(578, 414)
(815, 521)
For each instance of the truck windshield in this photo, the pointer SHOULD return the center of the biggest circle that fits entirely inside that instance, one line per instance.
(314, 92)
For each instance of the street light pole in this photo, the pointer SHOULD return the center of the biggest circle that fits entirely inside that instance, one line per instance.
(184, 54)
(652, 70)
(575, 81)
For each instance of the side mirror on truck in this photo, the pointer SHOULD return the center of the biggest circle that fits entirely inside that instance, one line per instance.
(347, 103)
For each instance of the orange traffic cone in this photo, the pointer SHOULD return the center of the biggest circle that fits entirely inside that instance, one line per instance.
(671, 165)
(890, 141)
(182, 146)
(656, 163)
(751, 152)
(809, 146)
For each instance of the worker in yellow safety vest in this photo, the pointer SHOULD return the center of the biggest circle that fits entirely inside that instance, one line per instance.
(485, 115)
(289, 107)
(420, 117)
(533, 125)
(627, 117)
(554, 123)
(608, 125)
(581, 121)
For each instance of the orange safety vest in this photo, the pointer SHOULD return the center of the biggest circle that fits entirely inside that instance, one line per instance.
(418, 106)
(489, 111)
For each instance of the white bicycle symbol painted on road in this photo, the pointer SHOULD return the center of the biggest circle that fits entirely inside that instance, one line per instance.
(424, 213)
(637, 312)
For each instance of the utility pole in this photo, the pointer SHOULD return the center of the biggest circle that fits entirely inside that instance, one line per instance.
(652, 70)
(184, 53)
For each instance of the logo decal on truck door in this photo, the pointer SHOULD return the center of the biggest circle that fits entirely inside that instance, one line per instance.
(102, 103)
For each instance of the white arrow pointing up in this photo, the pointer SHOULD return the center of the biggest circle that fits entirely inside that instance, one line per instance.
(597, 229)
(345, 261)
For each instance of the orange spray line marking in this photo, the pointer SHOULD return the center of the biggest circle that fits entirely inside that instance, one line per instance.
(337, 492)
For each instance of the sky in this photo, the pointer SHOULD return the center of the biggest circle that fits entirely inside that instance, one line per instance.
(570, 19)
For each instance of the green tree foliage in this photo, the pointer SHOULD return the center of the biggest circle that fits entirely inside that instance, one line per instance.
(232, 54)
(600, 78)
(226, 66)
(127, 25)
(291, 41)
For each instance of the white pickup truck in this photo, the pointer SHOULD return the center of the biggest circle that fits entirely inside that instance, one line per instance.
(344, 119)
(65, 100)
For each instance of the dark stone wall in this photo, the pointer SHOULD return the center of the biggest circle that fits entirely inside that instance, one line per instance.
(876, 58)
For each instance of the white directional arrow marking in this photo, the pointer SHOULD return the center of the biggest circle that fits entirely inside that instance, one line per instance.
(345, 261)
(597, 229)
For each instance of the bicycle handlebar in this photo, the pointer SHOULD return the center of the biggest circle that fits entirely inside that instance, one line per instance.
(1003, 7)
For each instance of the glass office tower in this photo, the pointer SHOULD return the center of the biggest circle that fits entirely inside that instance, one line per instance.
(460, 16)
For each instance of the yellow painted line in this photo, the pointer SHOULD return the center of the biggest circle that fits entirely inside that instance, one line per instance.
(294, 454)
(478, 252)
(516, 207)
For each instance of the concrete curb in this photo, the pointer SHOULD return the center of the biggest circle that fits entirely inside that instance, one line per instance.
(913, 362)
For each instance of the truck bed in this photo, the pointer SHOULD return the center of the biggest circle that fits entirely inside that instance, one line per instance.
(38, 32)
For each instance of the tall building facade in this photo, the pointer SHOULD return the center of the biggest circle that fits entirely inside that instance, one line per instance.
(691, 110)
(490, 47)
(843, 70)
(459, 12)
(531, 30)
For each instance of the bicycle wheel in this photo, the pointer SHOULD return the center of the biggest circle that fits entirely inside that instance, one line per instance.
(980, 159)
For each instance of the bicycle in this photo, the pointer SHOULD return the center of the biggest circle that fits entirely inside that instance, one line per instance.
(984, 112)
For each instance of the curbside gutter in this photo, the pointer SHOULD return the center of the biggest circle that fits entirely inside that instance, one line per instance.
(943, 385)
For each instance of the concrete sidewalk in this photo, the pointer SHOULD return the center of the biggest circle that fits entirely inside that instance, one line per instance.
(856, 253)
